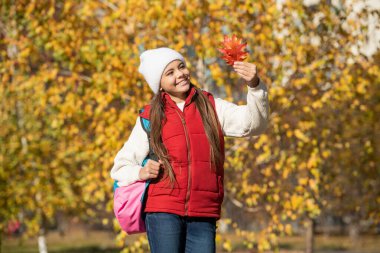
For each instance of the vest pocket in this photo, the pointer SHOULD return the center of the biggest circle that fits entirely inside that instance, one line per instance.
(163, 188)
(203, 177)
(157, 191)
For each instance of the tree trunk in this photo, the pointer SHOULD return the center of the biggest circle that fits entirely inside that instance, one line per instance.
(353, 231)
(61, 223)
(309, 235)
(200, 67)
(42, 241)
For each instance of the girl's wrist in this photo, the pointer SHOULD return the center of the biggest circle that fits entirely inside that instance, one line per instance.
(255, 82)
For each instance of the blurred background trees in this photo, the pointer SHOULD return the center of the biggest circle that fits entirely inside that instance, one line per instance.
(70, 94)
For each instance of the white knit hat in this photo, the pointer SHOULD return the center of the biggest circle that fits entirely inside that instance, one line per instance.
(153, 63)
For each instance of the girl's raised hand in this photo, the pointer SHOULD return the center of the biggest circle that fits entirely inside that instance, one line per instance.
(247, 71)
(150, 170)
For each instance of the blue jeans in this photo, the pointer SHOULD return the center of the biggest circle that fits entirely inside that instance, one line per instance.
(171, 233)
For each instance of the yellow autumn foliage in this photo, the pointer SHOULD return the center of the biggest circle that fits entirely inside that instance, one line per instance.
(70, 93)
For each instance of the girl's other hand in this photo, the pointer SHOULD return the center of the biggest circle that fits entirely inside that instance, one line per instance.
(150, 170)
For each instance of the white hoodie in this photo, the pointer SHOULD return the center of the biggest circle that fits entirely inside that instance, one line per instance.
(235, 120)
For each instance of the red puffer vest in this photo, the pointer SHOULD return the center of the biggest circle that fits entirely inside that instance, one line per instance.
(198, 191)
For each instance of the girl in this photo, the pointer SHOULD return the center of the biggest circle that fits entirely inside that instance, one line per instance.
(187, 127)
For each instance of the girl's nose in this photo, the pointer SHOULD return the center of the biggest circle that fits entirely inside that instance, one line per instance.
(180, 74)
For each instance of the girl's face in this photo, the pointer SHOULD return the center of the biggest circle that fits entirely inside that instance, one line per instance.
(175, 80)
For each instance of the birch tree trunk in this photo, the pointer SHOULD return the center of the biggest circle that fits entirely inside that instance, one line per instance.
(42, 248)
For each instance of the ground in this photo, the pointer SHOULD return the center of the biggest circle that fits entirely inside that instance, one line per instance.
(81, 240)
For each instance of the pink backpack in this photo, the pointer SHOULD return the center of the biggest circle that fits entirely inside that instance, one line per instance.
(129, 201)
(129, 205)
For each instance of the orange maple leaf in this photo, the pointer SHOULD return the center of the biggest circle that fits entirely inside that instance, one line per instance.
(233, 49)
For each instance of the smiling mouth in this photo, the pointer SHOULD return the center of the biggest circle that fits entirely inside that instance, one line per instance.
(183, 82)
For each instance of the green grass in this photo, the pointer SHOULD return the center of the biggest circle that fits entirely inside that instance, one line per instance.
(77, 240)
(323, 244)
(61, 249)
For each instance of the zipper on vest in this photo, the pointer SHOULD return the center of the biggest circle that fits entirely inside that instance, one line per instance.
(189, 161)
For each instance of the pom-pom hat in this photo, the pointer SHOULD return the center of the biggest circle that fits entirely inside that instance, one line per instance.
(153, 63)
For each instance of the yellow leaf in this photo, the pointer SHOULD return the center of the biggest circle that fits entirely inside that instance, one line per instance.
(296, 201)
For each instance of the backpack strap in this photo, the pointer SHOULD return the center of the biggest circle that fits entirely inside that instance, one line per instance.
(145, 123)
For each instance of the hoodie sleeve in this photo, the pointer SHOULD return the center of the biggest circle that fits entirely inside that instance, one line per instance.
(245, 120)
(128, 160)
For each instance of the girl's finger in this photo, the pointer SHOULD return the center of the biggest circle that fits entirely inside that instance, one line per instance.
(153, 172)
(156, 168)
(150, 161)
(245, 74)
(251, 69)
(244, 71)
(241, 63)
(245, 77)
(247, 69)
